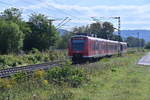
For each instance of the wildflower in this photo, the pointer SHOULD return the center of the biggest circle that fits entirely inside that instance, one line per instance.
(45, 82)
(39, 73)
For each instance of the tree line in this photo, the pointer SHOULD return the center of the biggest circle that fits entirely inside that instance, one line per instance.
(103, 30)
(17, 34)
(135, 42)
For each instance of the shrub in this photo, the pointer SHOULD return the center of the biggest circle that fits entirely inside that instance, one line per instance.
(71, 75)
(6, 84)
(34, 51)
(11, 37)
(10, 61)
(39, 74)
(147, 46)
(20, 76)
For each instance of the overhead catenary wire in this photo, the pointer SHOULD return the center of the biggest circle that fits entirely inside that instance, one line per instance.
(50, 7)
(62, 21)
(64, 4)
(63, 24)
(59, 10)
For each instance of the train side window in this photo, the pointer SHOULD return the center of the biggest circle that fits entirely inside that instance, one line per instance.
(99, 46)
(95, 46)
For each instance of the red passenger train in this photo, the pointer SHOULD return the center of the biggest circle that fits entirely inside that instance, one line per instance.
(83, 47)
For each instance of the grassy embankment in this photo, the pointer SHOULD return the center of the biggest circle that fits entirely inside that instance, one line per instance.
(116, 78)
(32, 57)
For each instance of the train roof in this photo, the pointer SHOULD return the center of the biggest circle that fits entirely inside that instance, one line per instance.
(123, 43)
(99, 39)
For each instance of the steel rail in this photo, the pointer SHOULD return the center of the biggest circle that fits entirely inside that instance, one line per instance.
(29, 68)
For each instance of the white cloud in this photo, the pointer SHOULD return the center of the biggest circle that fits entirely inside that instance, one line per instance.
(130, 14)
(93, 10)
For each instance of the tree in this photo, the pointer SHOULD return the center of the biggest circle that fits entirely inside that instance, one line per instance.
(147, 46)
(11, 37)
(12, 14)
(82, 29)
(42, 35)
(116, 38)
(102, 30)
(142, 42)
(135, 42)
(96, 28)
(62, 43)
(107, 30)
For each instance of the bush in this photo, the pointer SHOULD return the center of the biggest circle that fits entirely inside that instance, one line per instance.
(33, 57)
(10, 61)
(20, 76)
(147, 46)
(34, 51)
(6, 84)
(11, 37)
(68, 74)
(39, 74)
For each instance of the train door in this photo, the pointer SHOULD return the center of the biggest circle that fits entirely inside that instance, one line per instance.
(121, 48)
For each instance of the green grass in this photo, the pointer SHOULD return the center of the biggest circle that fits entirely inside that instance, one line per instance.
(117, 78)
(33, 57)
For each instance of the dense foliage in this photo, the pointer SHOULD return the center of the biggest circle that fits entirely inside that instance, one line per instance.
(62, 42)
(120, 75)
(135, 42)
(42, 35)
(71, 75)
(102, 30)
(11, 37)
(17, 35)
(40, 80)
(33, 57)
(147, 46)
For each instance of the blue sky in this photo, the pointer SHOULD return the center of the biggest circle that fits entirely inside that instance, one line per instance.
(135, 14)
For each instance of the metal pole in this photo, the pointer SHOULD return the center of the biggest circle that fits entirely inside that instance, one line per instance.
(138, 41)
(119, 34)
(119, 26)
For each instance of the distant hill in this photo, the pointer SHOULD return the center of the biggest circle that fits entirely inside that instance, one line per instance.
(144, 34)
(62, 31)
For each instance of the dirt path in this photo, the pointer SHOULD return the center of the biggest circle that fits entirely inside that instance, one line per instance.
(145, 60)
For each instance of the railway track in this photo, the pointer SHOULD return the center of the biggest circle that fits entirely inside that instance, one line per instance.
(29, 68)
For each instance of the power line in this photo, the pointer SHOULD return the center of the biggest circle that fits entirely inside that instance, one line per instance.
(119, 22)
(63, 4)
(53, 8)
(62, 21)
(63, 24)
(58, 9)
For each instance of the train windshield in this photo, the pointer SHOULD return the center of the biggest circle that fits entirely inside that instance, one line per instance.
(78, 45)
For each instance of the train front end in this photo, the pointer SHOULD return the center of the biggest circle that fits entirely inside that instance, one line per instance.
(77, 48)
